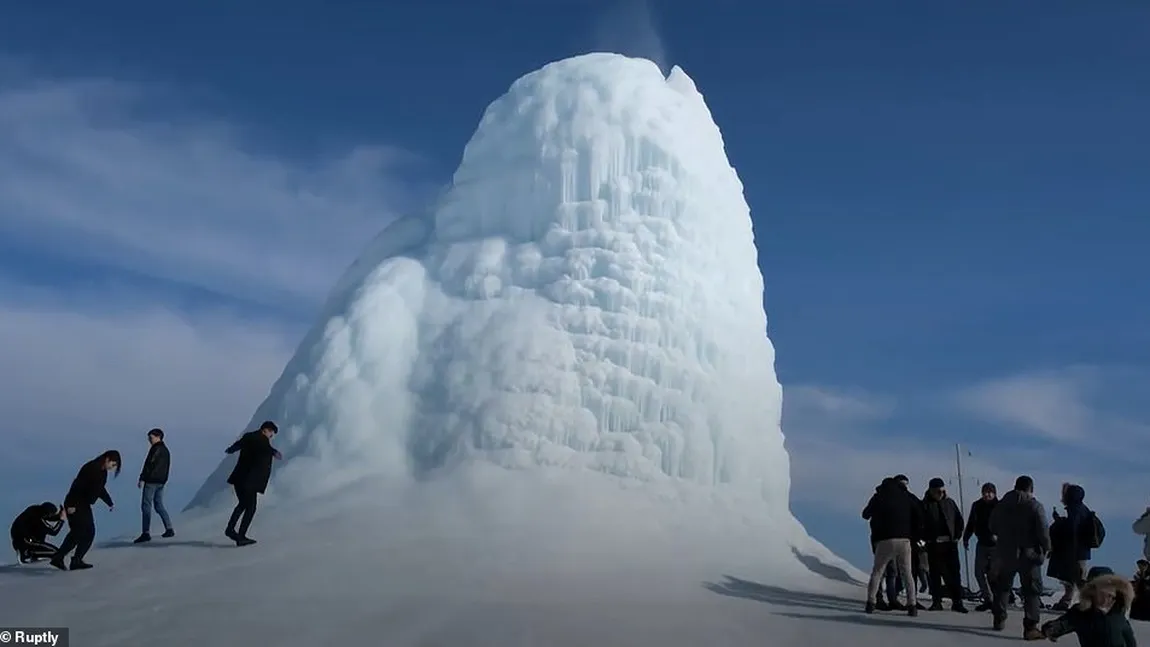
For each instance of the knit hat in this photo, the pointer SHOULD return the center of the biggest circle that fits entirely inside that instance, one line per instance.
(1098, 571)
(937, 483)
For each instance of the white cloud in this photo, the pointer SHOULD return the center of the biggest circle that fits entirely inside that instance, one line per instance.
(835, 405)
(1081, 405)
(76, 375)
(1052, 404)
(841, 447)
(89, 171)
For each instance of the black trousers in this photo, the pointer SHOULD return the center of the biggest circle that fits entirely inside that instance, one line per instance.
(945, 571)
(246, 507)
(81, 533)
(33, 550)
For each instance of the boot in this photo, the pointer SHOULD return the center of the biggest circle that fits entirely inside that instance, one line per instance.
(143, 538)
(79, 565)
(168, 534)
(58, 562)
(895, 605)
(999, 623)
(244, 541)
(959, 607)
(869, 607)
(1033, 633)
(912, 611)
(984, 607)
(881, 605)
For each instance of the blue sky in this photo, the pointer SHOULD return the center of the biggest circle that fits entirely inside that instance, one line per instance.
(950, 202)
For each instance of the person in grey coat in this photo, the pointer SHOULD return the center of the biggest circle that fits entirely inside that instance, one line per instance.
(1018, 524)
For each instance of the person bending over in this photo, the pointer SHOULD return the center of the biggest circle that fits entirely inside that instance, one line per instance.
(90, 485)
(31, 528)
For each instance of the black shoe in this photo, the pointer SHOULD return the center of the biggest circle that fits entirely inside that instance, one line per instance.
(958, 607)
(936, 606)
(912, 611)
(168, 534)
(244, 541)
(143, 538)
(880, 605)
(869, 607)
(999, 623)
(58, 562)
(896, 606)
(231, 534)
(984, 607)
(78, 565)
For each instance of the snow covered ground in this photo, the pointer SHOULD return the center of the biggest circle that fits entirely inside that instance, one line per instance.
(549, 563)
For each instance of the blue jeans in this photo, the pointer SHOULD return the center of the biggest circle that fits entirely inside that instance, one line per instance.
(154, 496)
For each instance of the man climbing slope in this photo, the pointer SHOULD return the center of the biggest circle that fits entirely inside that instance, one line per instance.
(250, 477)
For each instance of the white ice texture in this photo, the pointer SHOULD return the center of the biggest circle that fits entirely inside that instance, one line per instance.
(586, 295)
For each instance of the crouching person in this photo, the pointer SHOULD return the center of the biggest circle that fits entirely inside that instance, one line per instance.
(1099, 619)
(31, 528)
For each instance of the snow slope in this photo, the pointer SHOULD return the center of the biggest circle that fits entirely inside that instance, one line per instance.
(544, 412)
(409, 582)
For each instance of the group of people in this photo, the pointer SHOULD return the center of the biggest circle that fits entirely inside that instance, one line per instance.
(32, 527)
(916, 547)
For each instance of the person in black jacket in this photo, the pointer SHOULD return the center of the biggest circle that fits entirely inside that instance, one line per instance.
(978, 525)
(943, 528)
(1069, 553)
(153, 478)
(30, 531)
(89, 486)
(250, 477)
(895, 520)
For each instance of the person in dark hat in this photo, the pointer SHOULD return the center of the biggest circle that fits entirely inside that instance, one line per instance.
(978, 525)
(31, 528)
(250, 476)
(942, 530)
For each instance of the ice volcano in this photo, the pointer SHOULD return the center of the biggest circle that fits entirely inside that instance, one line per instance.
(583, 305)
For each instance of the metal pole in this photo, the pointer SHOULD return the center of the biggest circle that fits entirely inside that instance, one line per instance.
(962, 505)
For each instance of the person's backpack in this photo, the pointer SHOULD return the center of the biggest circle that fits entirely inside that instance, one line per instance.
(1093, 532)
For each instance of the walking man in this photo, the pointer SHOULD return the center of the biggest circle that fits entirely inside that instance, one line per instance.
(978, 525)
(1069, 550)
(1018, 524)
(250, 477)
(895, 520)
(153, 478)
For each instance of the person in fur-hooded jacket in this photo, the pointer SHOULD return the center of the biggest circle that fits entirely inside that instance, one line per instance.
(1100, 617)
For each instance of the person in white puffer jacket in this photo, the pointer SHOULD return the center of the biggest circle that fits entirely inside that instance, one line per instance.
(1142, 527)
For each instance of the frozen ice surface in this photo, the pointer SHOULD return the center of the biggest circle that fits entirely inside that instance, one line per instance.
(543, 413)
(586, 296)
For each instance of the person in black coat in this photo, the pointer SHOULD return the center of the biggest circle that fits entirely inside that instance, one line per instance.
(153, 478)
(943, 527)
(30, 531)
(978, 525)
(1140, 609)
(250, 477)
(1069, 553)
(895, 518)
(89, 486)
